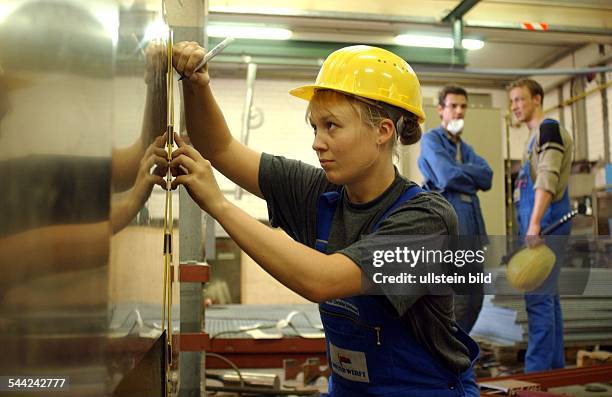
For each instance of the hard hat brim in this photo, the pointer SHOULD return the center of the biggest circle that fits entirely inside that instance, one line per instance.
(306, 92)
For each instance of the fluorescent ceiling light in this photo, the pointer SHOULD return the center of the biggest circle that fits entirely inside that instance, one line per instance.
(414, 40)
(249, 32)
(472, 44)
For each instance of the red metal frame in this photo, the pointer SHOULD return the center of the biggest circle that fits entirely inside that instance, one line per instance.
(194, 273)
(251, 353)
(192, 342)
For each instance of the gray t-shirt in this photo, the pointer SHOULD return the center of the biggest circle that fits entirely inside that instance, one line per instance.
(292, 188)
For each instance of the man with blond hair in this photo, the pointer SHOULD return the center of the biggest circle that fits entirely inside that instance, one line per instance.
(541, 198)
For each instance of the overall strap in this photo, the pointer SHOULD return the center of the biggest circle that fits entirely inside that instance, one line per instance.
(404, 198)
(530, 148)
(326, 206)
(531, 143)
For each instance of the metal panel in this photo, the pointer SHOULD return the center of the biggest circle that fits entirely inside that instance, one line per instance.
(81, 98)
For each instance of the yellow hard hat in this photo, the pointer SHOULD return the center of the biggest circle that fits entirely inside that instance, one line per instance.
(530, 267)
(369, 72)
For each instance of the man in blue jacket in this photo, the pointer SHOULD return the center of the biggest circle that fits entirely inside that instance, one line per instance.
(450, 166)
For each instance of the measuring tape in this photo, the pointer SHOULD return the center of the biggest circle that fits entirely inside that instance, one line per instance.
(168, 220)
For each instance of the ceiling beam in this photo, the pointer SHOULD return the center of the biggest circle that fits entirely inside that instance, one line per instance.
(345, 19)
(223, 69)
(460, 10)
(298, 52)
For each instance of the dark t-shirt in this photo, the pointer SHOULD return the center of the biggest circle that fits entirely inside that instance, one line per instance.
(292, 188)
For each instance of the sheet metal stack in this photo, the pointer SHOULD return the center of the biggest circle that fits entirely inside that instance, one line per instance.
(587, 320)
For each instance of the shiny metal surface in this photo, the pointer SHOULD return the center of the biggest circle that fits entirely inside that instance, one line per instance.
(82, 96)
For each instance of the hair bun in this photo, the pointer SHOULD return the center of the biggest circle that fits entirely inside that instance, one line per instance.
(411, 133)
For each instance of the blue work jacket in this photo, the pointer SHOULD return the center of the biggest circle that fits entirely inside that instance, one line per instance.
(457, 181)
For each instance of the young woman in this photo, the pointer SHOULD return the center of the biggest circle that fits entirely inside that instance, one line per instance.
(363, 101)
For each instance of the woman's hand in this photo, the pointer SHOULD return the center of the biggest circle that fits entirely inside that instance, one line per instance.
(153, 168)
(196, 174)
(186, 55)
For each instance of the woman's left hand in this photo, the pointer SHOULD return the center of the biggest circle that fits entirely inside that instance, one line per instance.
(152, 169)
(196, 174)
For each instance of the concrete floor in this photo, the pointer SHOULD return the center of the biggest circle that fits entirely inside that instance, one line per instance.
(590, 390)
(585, 390)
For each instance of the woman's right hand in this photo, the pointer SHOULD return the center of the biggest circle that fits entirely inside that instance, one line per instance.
(186, 55)
(196, 173)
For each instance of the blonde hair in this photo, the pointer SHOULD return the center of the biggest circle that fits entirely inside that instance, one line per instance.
(372, 113)
(533, 86)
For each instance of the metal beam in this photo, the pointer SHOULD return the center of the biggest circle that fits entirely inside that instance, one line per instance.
(520, 72)
(552, 28)
(283, 16)
(308, 53)
(460, 10)
(604, 112)
(580, 125)
(459, 54)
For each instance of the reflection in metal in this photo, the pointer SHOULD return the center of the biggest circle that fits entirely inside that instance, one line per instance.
(137, 284)
(82, 97)
(55, 231)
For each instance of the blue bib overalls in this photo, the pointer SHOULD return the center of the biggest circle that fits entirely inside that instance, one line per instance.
(545, 321)
(370, 350)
